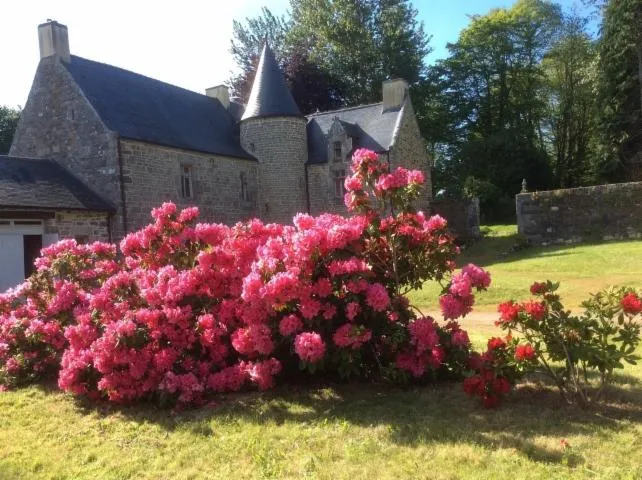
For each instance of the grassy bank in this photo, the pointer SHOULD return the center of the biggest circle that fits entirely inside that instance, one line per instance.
(581, 269)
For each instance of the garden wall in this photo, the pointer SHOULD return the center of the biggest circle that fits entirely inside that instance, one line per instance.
(462, 216)
(603, 212)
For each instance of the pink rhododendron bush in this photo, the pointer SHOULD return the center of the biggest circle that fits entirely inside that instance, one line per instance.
(188, 309)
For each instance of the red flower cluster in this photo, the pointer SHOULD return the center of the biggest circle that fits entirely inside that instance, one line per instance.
(509, 311)
(631, 304)
(497, 369)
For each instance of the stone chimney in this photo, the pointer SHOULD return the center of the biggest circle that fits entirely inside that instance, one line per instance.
(54, 40)
(220, 92)
(395, 92)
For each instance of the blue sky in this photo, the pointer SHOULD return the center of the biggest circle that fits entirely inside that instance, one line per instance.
(444, 20)
(184, 43)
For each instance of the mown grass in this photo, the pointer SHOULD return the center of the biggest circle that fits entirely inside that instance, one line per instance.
(581, 269)
(355, 431)
(334, 432)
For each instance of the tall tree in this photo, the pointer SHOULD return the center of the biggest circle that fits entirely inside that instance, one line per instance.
(312, 87)
(493, 85)
(8, 123)
(362, 42)
(248, 38)
(620, 89)
(571, 72)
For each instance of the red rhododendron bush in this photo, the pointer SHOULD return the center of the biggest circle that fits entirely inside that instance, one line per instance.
(187, 309)
(578, 352)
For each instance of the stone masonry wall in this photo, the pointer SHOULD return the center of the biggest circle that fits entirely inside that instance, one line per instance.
(409, 151)
(323, 197)
(75, 224)
(462, 216)
(321, 190)
(151, 176)
(603, 212)
(94, 226)
(59, 123)
(280, 144)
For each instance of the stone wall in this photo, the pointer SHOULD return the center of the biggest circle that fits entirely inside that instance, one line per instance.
(409, 151)
(462, 216)
(603, 212)
(280, 144)
(321, 189)
(90, 226)
(59, 123)
(152, 173)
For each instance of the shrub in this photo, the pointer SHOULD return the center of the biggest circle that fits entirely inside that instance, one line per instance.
(578, 352)
(192, 308)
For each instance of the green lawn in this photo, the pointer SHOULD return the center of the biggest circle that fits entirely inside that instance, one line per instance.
(327, 433)
(581, 269)
(358, 431)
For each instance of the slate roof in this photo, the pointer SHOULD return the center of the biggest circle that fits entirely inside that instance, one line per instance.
(369, 125)
(145, 109)
(270, 95)
(31, 183)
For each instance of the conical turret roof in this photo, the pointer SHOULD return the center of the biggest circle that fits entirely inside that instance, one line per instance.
(270, 96)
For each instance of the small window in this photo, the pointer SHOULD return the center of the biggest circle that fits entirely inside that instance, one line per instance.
(338, 152)
(339, 180)
(187, 187)
(245, 195)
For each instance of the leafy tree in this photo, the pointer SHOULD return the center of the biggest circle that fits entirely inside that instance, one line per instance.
(361, 42)
(8, 123)
(571, 73)
(312, 87)
(247, 41)
(620, 90)
(493, 85)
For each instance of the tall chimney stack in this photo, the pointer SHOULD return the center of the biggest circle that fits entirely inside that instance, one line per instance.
(220, 92)
(54, 40)
(394, 93)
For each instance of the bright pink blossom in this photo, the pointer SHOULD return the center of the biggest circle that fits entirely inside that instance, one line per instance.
(309, 346)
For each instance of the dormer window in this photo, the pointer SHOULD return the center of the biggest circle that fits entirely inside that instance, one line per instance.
(187, 187)
(338, 152)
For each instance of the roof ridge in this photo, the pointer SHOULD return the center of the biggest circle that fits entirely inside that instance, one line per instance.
(344, 109)
(143, 76)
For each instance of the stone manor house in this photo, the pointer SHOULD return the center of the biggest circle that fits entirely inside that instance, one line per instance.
(98, 147)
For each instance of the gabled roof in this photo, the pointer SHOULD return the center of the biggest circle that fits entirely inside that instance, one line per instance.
(369, 125)
(145, 109)
(270, 95)
(31, 183)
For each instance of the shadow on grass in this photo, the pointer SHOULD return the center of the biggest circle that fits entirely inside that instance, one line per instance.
(439, 414)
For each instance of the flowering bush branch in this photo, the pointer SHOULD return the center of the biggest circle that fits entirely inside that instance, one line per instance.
(574, 349)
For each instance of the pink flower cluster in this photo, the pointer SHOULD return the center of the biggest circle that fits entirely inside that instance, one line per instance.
(190, 308)
(459, 300)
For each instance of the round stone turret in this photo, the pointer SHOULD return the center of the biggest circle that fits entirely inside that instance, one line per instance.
(274, 131)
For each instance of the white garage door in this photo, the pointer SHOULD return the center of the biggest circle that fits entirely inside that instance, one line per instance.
(12, 260)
